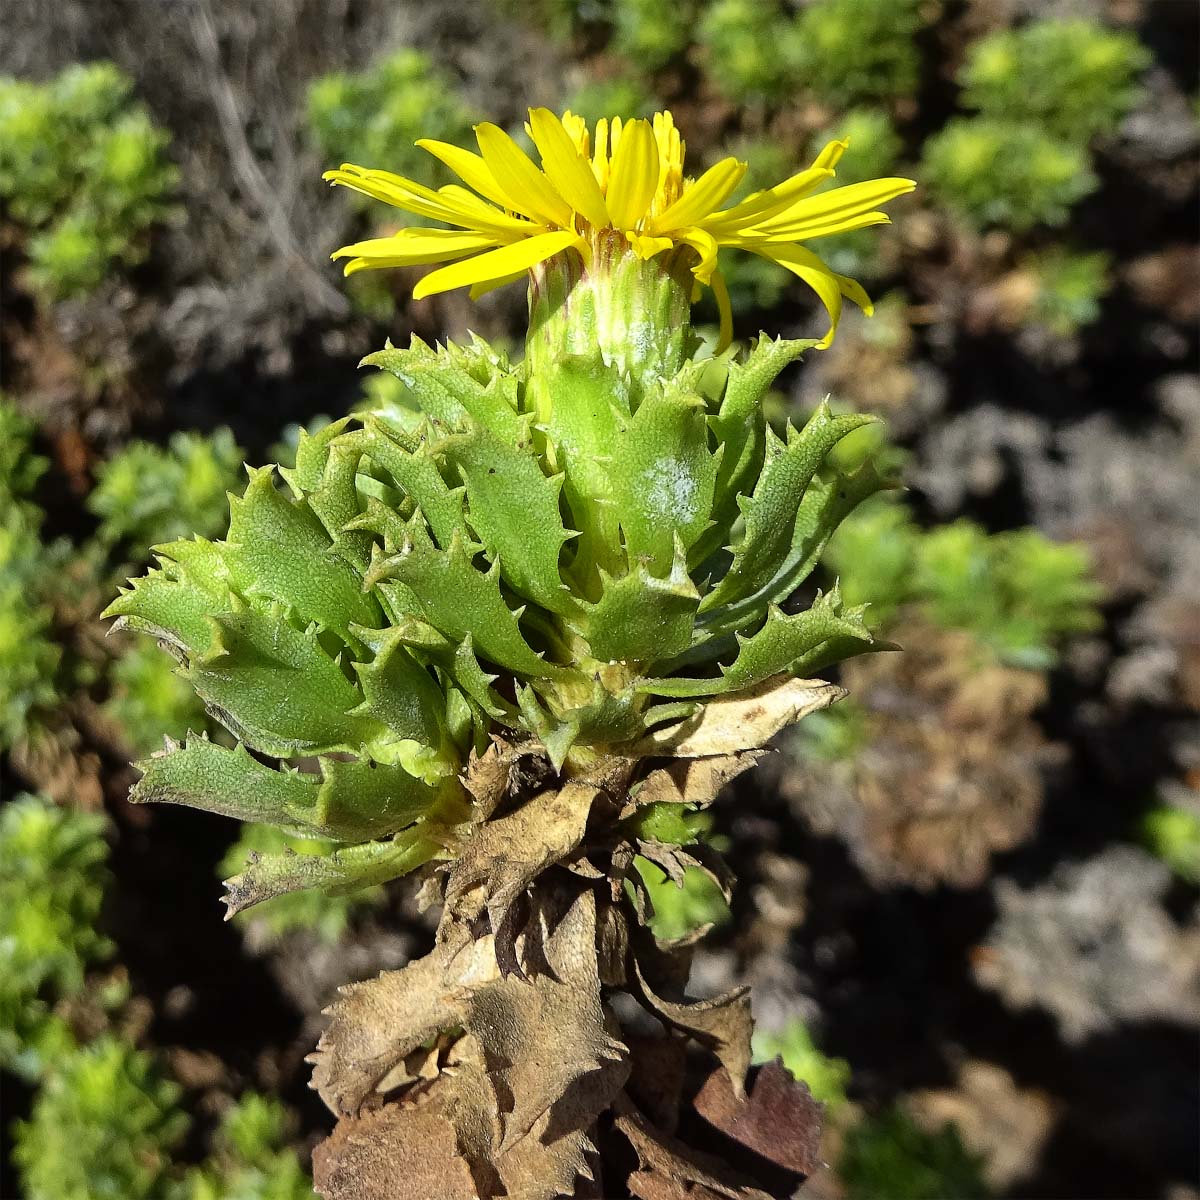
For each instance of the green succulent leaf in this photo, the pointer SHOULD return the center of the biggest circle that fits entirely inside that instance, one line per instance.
(349, 801)
(770, 512)
(325, 474)
(346, 869)
(664, 476)
(824, 507)
(416, 474)
(740, 426)
(642, 618)
(458, 599)
(232, 783)
(514, 511)
(283, 548)
(277, 687)
(591, 404)
(446, 384)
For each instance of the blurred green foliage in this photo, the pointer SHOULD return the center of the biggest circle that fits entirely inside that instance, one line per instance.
(1070, 287)
(374, 117)
(650, 33)
(873, 153)
(618, 94)
(827, 1078)
(1042, 92)
(103, 1126)
(750, 48)
(147, 494)
(1173, 835)
(83, 168)
(999, 172)
(250, 1159)
(891, 1156)
(53, 872)
(29, 656)
(1019, 592)
(850, 51)
(326, 916)
(680, 909)
(1073, 79)
(149, 700)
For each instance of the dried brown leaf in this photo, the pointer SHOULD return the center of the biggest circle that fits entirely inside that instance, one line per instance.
(722, 1023)
(672, 1170)
(778, 1120)
(544, 1040)
(690, 780)
(504, 856)
(745, 721)
(659, 1067)
(377, 1023)
(400, 1152)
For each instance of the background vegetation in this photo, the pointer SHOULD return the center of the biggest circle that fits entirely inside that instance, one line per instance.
(968, 895)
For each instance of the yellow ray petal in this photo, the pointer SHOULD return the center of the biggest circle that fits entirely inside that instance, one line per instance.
(854, 292)
(471, 169)
(647, 247)
(633, 174)
(490, 285)
(706, 246)
(518, 177)
(840, 204)
(807, 266)
(394, 190)
(497, 264)
(806, 232)
(702, 197)
(570, 173)
(415, 247)
(761, 206)
(600, 154)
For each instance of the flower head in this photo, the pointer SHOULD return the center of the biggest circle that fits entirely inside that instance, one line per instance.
(627, 179)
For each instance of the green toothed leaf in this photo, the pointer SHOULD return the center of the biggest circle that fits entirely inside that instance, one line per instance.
(360, 799)
(770, 514)
(444, 384)
(345, 870)
(824, 507)
(324, 474)
(417, 476)
(663, 475)
(591, 402)
(513, 508)
(740, 427)
(283, 548)
(459, 599)
(401, 694)
(201, 774)
(787, 640)
(277, 689)
(642, 618)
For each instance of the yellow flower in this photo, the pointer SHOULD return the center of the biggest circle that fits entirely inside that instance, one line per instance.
(626, 182)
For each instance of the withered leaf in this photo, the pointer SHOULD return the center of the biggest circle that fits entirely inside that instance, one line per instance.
(672, 1170)
(612, 944)
(723, 1024)
(544, 1040)
(658, 1070)
(400, 1152)
(504, 856)
(502, 770)
(690, 780)
(744, 721)
(375, 1024)
(778, 1120)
